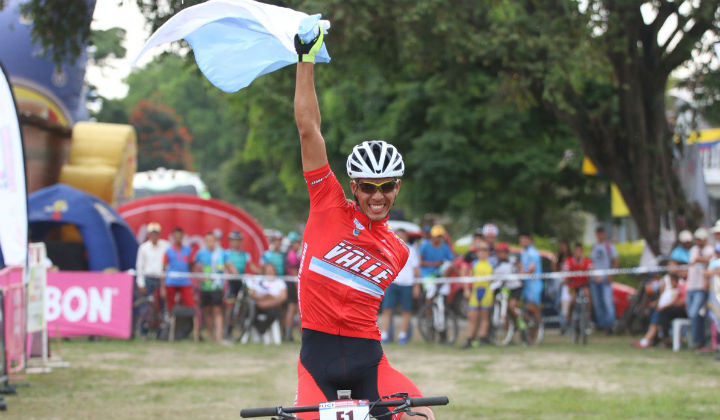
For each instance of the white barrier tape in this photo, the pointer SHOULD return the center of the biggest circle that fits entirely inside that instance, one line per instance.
(465, 279)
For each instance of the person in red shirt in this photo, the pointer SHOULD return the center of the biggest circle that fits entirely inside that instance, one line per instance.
(578, 262)
(348, 258)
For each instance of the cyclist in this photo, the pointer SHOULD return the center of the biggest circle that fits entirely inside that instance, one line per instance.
(578, 262)
(505, 266)
(348, 258)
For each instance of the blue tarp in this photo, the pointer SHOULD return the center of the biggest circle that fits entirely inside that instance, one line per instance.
(109, 241)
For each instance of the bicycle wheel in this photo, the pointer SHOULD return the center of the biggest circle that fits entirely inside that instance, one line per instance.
(534, 332)
(503, 328)
(241, 316)
(452, 327)
(425, 322)
(584, 321)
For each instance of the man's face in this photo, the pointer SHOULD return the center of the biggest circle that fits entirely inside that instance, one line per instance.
(436, 240)
(177, 238)
(503, 255)
(375, 205)
(490, 238)
(578, 252)
(235, 244)
(687, 244)
(600, 236)
(154, 236)
(210, 241)
(524, 240)
(275, 243)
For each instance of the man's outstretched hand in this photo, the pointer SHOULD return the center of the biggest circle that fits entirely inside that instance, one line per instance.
(306, 52)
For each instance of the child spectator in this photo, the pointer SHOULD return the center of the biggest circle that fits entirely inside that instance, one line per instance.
(575, 284)
(481, 299)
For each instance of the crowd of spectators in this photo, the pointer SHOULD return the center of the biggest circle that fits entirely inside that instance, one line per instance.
(166, 268)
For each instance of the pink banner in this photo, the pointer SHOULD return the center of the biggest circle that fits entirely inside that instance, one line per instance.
(11, 283)
(88, 303)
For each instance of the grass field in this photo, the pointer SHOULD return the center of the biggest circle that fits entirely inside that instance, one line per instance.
(606, 379)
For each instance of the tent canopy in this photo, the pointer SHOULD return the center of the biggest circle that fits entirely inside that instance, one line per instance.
(109, 242)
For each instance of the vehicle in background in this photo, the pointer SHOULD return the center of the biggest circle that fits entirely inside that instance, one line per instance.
(168, 181)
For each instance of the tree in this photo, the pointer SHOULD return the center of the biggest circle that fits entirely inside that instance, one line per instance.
(162, 138)
(603, 67)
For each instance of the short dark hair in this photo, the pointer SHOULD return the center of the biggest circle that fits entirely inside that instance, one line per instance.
(178, 229)
(578, 245)
(209, 233)
(599, 229)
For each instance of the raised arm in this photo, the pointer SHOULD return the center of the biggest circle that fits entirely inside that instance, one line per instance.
(307, 117)
(307, 111)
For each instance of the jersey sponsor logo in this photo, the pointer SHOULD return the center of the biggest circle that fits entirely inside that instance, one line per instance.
(321, 179)
(353, 266)
(300, 270)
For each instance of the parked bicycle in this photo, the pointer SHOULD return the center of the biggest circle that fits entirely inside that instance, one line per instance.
(437, 321)
(502, 327)
(580, 317)
(346, 408)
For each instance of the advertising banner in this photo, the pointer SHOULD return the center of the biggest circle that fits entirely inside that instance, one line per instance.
(11, 282)
(80, 303)
(13, 195)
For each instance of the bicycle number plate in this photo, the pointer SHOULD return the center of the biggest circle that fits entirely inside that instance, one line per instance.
(344, 410)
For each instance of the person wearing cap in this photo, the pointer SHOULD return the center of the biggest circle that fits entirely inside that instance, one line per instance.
(237, 262)
(604, 256)
(433, 254)
(681, 253)
(506, 266)
(697, 285)
(149, 265)
(292, 265)
(490, 233)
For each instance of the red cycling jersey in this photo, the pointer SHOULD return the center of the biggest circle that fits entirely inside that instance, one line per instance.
(572, 265)
(347, 262)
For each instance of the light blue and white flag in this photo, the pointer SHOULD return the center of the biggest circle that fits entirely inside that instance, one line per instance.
(236, 41)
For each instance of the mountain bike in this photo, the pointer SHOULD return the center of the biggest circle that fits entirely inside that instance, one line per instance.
(502, 327)
(151, 319)
(437, 321)
(242, 314)
(346, 408)
(580, 318)
(531, 331)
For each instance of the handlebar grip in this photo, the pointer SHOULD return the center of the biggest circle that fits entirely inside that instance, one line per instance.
(423, 401)
(259, 412)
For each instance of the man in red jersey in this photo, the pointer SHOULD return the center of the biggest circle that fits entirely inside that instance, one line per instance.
(348, 258)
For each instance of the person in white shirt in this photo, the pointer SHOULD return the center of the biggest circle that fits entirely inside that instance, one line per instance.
(269, 294)
(150, 259)
(149, 265)
(401, 292)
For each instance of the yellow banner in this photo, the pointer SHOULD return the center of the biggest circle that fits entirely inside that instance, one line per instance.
(617, 204)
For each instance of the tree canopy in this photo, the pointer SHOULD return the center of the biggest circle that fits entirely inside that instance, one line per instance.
(492, 103)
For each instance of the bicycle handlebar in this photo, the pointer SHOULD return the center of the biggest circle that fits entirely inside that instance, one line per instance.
(274, 411)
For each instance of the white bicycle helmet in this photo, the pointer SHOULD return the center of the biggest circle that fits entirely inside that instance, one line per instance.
(375, 159)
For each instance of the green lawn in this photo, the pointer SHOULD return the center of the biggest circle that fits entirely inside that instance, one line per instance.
(606, 379)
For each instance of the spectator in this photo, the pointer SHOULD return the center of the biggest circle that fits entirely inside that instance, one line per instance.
(563, 253)
(490, 233)
(506, 266)
(698, 285)
(471, 254)
(210, 260)
(237, 262)
(681, 253)
(433, 254)
(292, 265)
(274, 254)
(530, 262)
(177, 261)
(400, 292)
(480, 299)
(149, 267)
(604, 256)
(575, 284)
(269, 294)
(671, 305)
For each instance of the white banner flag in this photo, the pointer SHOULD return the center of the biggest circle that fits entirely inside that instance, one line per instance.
(13, 194)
